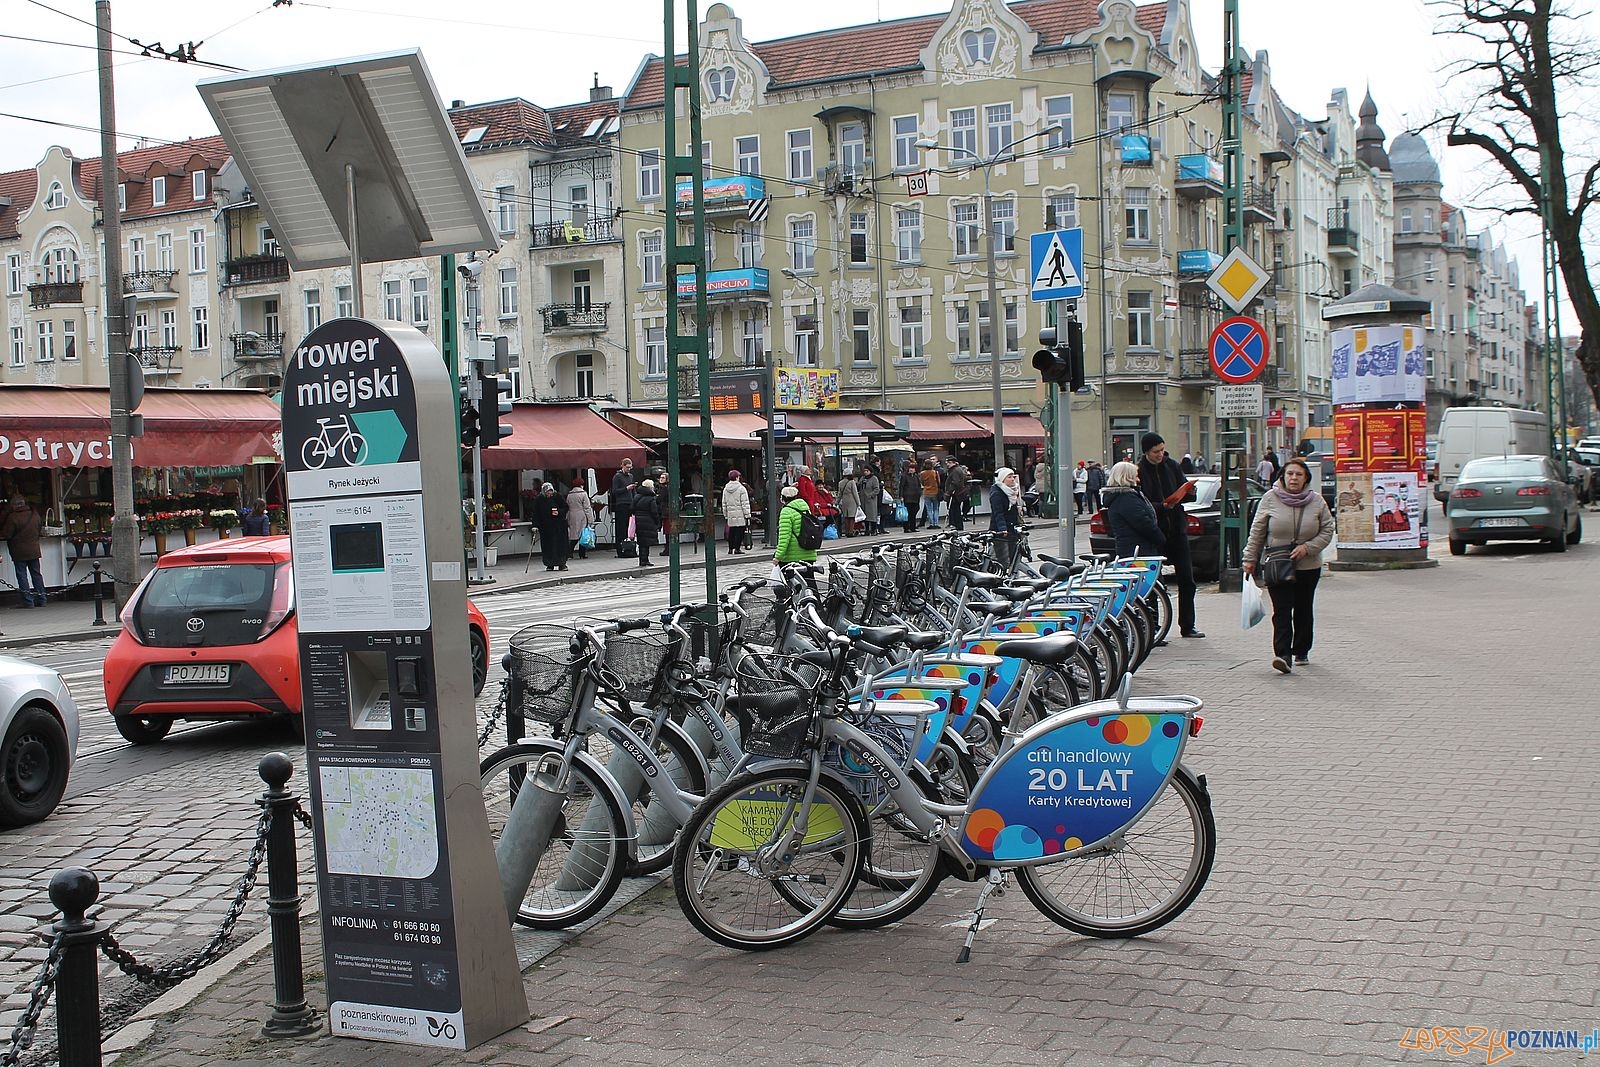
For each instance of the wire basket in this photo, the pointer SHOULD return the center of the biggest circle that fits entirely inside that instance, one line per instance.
(781, 736)
(760, 622)
(637, 660)
(544, 667)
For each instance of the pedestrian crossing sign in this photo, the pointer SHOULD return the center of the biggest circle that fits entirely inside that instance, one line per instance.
(1056, 263)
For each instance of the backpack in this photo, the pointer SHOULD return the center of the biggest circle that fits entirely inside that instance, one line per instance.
(809, 535)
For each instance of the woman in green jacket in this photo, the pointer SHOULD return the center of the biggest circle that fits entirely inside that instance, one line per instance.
(789, 550)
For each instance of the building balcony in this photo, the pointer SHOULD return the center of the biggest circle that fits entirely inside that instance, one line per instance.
(1193, 365)
(153, 283)
(252, 270)
(1343, 237)
(1199, 176)
(570, 232)
(731, 195)
(1196, 264)
(249, 346)
(1270, 377)
(1135, 150)
(44, 294)
(1259, 204)
(157, 359)
(562, 319)
(728, 286)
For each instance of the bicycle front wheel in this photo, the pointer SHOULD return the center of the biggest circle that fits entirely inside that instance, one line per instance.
(1139, 884)
(588, 851)
(764, 861)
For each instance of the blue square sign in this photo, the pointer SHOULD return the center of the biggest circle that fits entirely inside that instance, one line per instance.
(1056, 264)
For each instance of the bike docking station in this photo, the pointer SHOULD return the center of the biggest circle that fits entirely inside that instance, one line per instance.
(355, 161)
(415, 942)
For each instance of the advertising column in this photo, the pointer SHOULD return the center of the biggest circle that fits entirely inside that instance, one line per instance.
(414, 933)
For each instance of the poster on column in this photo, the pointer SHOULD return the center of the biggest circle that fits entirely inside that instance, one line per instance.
(1379, 364)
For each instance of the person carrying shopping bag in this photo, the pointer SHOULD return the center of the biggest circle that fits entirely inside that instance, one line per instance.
(910, 487)
(870, 489)
(736, 513)
(580, 516)
(1292, 523)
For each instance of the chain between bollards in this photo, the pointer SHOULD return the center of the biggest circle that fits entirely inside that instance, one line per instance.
(291, 1016)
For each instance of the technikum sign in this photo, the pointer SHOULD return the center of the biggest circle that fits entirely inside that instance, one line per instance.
(56, 448)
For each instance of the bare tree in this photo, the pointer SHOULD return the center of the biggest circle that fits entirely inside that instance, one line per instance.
(1523, 53)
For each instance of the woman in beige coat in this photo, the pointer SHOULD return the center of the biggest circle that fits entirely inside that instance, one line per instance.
(580, 513)
(736, 513)
(1291, 513)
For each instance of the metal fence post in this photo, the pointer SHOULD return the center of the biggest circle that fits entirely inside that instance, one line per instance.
(291, 1016)
(73, 890)
(99, 598)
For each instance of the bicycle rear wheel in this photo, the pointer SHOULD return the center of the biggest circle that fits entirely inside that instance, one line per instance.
(584, 862)
(760, 864)
(1139, 884)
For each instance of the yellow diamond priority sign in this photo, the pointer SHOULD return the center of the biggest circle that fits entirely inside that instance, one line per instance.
(1238, 279)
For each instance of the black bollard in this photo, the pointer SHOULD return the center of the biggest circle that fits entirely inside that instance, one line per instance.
(99, 598)
(73, 890)
(291, 1016)
(515, 727)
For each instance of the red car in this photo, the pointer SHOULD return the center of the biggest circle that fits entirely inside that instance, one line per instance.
(242, 660)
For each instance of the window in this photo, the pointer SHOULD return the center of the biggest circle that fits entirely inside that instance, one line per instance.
(136, 260)
(19, 353)
(906, 154)
(1141, 319)
(655, 351)
(508, 292)
(749, 246)
(705, 158)
(169, 328)
(964, 329)
(269, 243)
(419, 302)
(803, 244)
(979, 44)
(200, 329)
(650, 174)
(164, 251)
(61, 266)
(853, 147)
(1405, 220)
(908, 234)
(14, 274)
(1061, 211)
(719, 83)
(799, 142)
(747, 154)
(313, 306)
(582, 290)
(1427, 268)
(651, 259)
(858, 238)
(270, 324)
(583, 364)
(752, 340)
(1427, 220)
(964, 131)
(47, 341)
(1119, 112)
(122, 197)
(1452, 276)
(999, 129)
(198, 185)
(1058, 113)
(505, 208)
(805, 339)
(1003, 211)
(1013, 325)
(967, 229)
(861, 335)
(158, 192)
(393, 301)
(69, 339)
(55, 197)
(1136, 214)
(197, 251)
(344, 302)
(911, 339)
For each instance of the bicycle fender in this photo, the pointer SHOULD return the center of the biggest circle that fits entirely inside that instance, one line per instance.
(670, 727)
(558, 748)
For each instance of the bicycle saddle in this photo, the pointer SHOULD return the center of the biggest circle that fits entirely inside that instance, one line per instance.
(981, 579)
(880, 636)
(992, 607)
(1038, 585)
(1055, 649)
(1016, 594)
(925, 640)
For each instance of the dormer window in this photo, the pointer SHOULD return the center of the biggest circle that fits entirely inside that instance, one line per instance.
(158, 192)
(979, 45)
(122, 196)
(719, 83)
(199, 185)
(55, 197)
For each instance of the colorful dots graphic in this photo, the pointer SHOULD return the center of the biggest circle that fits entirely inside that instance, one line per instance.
(1092, 722)
(1115, 731)
(1016, 842)
(1051, 847)
(1138, 729)
(1071, 843)
(1170, 728)
(984, 826)
(1061, 829)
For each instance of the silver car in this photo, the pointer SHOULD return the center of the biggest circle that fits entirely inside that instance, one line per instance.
(38, 738)
(1512, 498)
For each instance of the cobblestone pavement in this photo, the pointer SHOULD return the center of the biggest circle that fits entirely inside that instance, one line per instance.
(1406, 841)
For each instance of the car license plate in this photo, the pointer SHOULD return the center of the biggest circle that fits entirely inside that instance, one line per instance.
(197, 674)
(1503, 522)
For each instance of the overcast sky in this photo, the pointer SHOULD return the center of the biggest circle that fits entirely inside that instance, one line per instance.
(549, 53)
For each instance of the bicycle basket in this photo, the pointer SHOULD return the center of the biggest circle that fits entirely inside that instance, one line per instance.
(760, 622)
(545, 669)
(637, 659)
(780, 736)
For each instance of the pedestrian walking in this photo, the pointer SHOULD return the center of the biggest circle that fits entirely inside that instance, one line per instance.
(550, 519)
(1164, 485)
(1129, 515)
(1041, 482)
(957, 492)
(580, 517)
(870, 488)
(910, 488)
(1292, 514)
(1080, 486)
(1186, 465)
(790, 550)
(736, 513)
(1094, 481)
(646, 519)
(849, 503)
(620, 500)
(22, 531)
(1005, 517)
(1267, 469)
(255, 521)
(930, 493)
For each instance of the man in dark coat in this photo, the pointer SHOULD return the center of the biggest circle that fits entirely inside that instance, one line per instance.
(1164, 485)
(1094, 481)
(620, 501)
(646, 519)
(21, 530)
(550, 518)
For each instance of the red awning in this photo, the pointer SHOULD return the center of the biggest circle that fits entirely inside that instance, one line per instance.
(728, 430)
(941, 426)
(553, 436)
(1021, 429)
(70, 426)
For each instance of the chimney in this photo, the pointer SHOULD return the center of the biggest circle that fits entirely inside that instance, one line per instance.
(456, 105)
(598, 91)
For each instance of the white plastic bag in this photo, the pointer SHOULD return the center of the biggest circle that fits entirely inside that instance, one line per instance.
(1252, 606)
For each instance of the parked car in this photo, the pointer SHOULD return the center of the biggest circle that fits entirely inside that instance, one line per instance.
(241, 661)
(1580, 474)
(1513, 498)
(38, 739)
(1466, 434)
(1204, 518)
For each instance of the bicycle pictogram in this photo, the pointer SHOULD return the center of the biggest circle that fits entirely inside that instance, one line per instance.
(347, 443)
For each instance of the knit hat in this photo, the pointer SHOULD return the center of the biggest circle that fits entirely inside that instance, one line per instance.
(790, 492)
(647, 484)
(1149, 441)
(547, 487)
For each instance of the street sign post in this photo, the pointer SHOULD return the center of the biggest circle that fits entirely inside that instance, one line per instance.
(1238, 350)
(1056, 265)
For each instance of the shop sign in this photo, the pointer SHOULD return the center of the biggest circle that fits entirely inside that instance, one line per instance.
(55, 448)
(736, 392)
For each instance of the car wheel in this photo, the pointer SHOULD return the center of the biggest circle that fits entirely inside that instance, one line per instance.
(480, 660)
(140, 731)
(1558, 543)
(34, 761)
(1458, 548)
(1577, 531)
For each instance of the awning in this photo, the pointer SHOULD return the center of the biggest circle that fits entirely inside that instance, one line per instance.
(54, 426)
(846, 426)
(1022, 429)
(553, 436)
(728, 430)
(941, 426)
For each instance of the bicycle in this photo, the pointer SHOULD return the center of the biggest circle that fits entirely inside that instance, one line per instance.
(348, 445)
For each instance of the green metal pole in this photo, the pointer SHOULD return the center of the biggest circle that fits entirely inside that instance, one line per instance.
(1229, 574)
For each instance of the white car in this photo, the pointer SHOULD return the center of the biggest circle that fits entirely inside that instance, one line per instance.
(38, 738)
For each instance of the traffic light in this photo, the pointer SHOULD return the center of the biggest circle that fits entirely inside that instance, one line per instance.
(469, 411)
(1075, 374)
(1061, 364)
(494, 404)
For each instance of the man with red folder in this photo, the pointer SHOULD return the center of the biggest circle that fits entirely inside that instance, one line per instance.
(1164, 484)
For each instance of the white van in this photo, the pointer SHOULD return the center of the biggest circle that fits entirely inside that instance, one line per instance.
(1471, 433)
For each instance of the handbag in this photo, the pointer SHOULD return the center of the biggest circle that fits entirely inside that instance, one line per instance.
(900, 512)
(1277, 568)
(586, 537)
